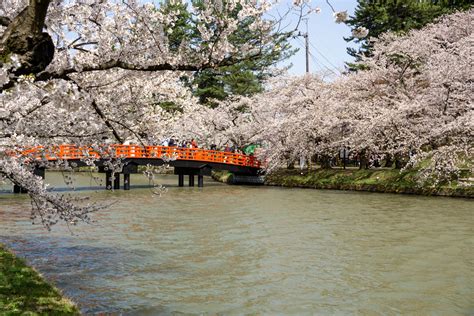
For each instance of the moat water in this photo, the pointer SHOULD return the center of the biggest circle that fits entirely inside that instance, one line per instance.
(254, 250)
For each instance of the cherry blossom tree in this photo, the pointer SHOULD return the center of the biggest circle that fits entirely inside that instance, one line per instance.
(414, 103)
(422, 88)
(85, 71)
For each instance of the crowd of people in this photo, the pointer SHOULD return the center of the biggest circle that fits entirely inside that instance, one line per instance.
(172, 142)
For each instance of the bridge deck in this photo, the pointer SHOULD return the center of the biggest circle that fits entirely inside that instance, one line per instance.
(166, 153)
(186, 161)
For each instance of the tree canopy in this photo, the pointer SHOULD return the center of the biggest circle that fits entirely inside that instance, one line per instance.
(414, 102)
(242, 78)
(398, 16)
(79, 72)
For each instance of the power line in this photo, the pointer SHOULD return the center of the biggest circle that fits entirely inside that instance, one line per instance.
(325, 58)
(317, 62)
(327, 68)
(308, 53)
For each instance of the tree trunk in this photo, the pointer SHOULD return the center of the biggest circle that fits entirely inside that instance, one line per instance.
(364, 160)
(399, 163)
(325, 162)
(290, 164)
(24, 37)
(388, 161)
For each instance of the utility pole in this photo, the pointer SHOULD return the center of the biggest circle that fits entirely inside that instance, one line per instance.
(306, 42)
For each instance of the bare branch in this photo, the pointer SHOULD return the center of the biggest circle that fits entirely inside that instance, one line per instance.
(62, 74)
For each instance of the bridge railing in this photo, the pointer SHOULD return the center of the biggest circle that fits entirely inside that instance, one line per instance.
(72, 152)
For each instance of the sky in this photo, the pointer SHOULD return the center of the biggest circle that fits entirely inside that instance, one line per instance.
(327, 46)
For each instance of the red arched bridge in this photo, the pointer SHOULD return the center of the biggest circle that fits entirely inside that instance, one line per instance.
(186, 161)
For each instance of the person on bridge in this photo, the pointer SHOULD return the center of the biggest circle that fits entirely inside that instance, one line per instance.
(193, 143)
(106, 140)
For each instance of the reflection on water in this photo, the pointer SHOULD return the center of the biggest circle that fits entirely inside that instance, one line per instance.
(256, 250)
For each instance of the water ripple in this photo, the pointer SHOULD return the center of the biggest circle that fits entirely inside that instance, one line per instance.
(243, 250)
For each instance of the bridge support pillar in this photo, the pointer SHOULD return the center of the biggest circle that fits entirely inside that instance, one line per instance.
(38, 171)
(126, 181)
(203, 170)
(19, 189)
(117, 181)
(108, 180)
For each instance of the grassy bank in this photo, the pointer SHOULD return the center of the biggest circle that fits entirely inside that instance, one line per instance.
(373, 180)
(24, 292)
(380, 180)
(222, 176)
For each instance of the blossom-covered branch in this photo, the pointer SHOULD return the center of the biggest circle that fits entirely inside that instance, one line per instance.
(85, 72)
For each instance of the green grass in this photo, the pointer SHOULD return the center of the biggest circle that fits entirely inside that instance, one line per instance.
(376, 180)
(24, 292)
